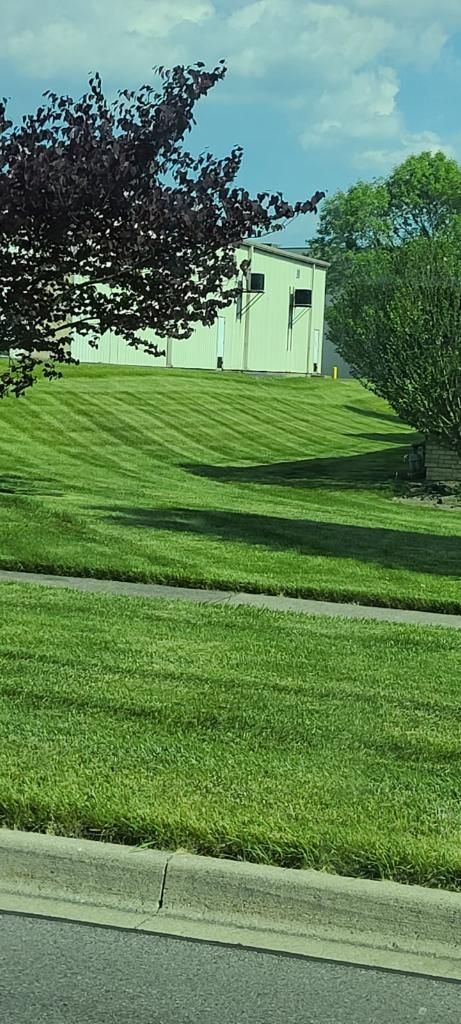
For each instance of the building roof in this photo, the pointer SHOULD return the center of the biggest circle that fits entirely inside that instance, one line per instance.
(285, 252)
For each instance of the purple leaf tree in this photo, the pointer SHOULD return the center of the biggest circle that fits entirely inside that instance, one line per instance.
(108, 222)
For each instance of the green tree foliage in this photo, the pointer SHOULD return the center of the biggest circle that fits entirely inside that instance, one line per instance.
(351, 223)
(420, 197)
(397, 322)
(424, 196)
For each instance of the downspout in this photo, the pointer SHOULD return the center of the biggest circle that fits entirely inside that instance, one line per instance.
(246, 330)
(311, 328)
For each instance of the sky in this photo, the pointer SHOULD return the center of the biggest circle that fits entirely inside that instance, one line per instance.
(319, 94)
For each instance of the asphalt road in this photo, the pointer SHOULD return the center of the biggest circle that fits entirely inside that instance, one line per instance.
(59, 972)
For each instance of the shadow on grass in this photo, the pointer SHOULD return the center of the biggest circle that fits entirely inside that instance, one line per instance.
(13, 483)
(408, 438)
(366, 470)
(42, 699)
(394, 549)
(387, 416)
(414, 751)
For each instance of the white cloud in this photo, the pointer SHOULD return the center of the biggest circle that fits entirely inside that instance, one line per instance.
(248, 17)
(429, 44)
(413, 10)
(335, 63)
(157, 19)
(110, 36)
(304, 36)
(362, 106)
(47, 51)
(409, 143)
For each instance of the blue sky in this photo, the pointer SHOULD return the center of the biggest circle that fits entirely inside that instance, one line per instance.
(318, 93)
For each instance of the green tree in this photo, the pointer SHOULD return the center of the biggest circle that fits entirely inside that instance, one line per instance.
(420, 197)
(351, 223)
(424, 196)
(397, 322)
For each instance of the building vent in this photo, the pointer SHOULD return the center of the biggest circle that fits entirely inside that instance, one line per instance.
(303, 297)
(257, 282)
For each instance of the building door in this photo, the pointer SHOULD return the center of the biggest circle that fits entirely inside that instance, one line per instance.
(220, 342)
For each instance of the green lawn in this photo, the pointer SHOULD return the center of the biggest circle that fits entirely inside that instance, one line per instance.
(260, 484)
(281, 739)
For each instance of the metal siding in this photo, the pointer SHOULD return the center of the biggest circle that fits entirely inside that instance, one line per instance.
(235, 326)
(138, 357)
(115, 351)
(221, 347)
(299, 342)
(331, 356)
(233, 343)
(266, 316)
(85, 353)
(199, 352)
(317, 321)
(271, 347)
(234, 339)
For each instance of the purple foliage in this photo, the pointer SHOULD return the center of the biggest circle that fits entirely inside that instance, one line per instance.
(93, 193)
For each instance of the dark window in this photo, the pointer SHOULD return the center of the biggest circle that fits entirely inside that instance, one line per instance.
(257, 282)
(303, 297)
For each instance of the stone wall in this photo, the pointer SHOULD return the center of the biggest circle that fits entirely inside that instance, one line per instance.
(442, 463)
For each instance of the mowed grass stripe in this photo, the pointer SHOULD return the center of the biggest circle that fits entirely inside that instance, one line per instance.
(232, 732)
(108, 445)
(307, 506)
(241, 426)
(270, 428)
(64, 421)
(167, 417)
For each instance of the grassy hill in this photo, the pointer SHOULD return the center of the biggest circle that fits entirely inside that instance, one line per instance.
(260, 484)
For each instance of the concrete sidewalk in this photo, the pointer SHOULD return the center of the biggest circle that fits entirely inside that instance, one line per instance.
(311, 913)
(233, 598)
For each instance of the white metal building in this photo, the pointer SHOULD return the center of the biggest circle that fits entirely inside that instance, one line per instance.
(276, 326)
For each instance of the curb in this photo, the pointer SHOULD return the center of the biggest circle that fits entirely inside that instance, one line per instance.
(381, 924)
(83, 872)
(268, 602)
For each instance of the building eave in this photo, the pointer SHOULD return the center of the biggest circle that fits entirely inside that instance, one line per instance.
(287, 254)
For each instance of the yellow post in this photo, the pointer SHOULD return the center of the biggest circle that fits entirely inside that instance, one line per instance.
(335, 373)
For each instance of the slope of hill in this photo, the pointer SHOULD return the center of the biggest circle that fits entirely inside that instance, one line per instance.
(205, 479)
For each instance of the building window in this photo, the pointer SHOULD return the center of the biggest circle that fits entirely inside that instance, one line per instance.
(303, 297)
